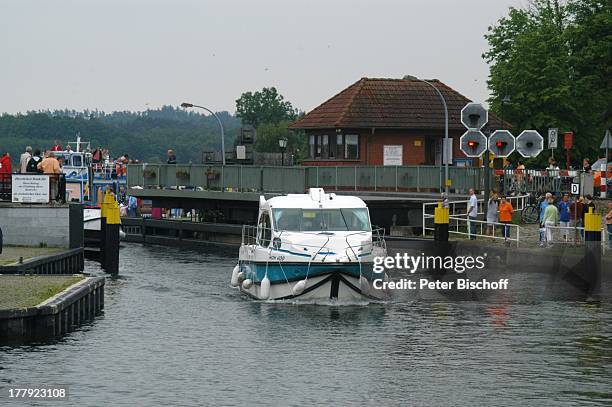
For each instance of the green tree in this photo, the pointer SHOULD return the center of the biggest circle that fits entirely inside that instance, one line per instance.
(268, 135)
(552, 60)
(265, 106)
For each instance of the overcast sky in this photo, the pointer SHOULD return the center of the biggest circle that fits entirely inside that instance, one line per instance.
(136, 54)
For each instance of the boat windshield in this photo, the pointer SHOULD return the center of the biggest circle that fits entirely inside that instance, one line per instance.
(318, 220)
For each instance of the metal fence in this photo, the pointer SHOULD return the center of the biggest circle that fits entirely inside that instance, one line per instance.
(538, 181)
(458, 212)
(298, 179)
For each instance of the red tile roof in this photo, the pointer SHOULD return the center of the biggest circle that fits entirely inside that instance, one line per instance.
(390, 103)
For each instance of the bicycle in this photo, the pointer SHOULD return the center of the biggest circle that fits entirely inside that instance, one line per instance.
(531, 212)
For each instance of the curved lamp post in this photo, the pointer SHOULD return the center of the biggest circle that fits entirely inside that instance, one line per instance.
(186, 105)
(446, 140)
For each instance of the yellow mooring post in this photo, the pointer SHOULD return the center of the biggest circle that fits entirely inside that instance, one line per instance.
(441, 221)
(592, 251)
(111, 222)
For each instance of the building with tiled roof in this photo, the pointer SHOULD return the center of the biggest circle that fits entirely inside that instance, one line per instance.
(385, 121)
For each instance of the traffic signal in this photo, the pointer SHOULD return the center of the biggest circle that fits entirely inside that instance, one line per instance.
(473, 143)
(474, 116)
(501, 143)
(529, 143)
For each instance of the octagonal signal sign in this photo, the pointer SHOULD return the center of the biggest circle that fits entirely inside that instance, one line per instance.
(473, 143)
(501, 143)
(529, 143)
(474, 116)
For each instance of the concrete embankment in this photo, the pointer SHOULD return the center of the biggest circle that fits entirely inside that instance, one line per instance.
(55, 316)
(61, 262)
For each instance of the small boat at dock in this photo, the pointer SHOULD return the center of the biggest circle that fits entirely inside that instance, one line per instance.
(314, 246)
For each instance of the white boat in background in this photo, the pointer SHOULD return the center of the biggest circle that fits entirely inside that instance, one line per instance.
(92, 220)
(314, 246)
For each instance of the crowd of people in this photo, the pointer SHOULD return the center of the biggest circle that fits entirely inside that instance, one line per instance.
(565, 215)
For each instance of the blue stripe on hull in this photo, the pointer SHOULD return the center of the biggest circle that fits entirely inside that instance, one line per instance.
(280, 273)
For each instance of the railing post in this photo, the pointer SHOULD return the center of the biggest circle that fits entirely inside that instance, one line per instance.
(375, 178)
(336, 177)
(424, 219)
(158, 175)
(261, 179)
(396, 178)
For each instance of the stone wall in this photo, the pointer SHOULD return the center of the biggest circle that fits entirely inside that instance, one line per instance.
(32, 225)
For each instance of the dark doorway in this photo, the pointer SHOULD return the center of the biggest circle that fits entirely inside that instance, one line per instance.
(433, 148)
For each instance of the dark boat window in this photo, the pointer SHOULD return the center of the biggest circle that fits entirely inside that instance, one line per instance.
(318, 220)
(77, 161)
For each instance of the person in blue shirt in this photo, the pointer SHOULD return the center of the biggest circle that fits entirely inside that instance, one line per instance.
(542, 208)
(564, 216)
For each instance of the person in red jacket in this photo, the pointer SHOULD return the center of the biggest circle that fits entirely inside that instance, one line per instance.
(6, 168)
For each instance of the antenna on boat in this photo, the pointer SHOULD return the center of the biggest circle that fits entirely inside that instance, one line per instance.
(78, 142)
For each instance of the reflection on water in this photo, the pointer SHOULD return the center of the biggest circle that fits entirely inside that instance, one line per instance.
(174, 332)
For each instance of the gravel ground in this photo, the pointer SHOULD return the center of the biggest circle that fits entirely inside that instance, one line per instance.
(28, 291)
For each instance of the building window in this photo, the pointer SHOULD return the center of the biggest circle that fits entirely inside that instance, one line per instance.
(351, 146)
(336, 146)
(311, 146)
(324, 146)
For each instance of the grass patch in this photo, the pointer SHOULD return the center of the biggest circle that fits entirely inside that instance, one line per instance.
(11, 254)
(28, 291)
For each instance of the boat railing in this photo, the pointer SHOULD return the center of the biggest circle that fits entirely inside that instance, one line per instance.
(250, 234)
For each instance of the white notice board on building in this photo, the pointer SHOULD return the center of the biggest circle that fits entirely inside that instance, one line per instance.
(241, 152)
(30, 188)
(392, 155)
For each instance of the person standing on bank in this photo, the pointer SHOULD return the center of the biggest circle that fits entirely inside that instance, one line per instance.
(6, 168)
(586, 165)
(551, 217)
(51, 166)
(543, 206)
(171, 157)
(472, 213)
(576, 210)
(564, 216)
(24, 159)
(505, 217)
(31, 168)
(609, 224)
(492, 209)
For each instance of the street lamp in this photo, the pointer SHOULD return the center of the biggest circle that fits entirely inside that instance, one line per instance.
(282, 143)
(446, 140)
(186, 105)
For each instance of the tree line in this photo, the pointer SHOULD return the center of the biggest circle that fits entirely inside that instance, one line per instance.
(145, 136)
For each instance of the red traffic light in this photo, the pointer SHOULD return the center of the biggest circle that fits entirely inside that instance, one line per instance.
(500, 144)
(472, 144)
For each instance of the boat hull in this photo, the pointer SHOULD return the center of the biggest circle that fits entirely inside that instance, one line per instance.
(340, 281)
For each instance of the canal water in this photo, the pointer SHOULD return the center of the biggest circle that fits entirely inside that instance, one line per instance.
(175, 333)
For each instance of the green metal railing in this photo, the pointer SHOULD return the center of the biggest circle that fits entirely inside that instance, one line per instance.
(238, 178)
